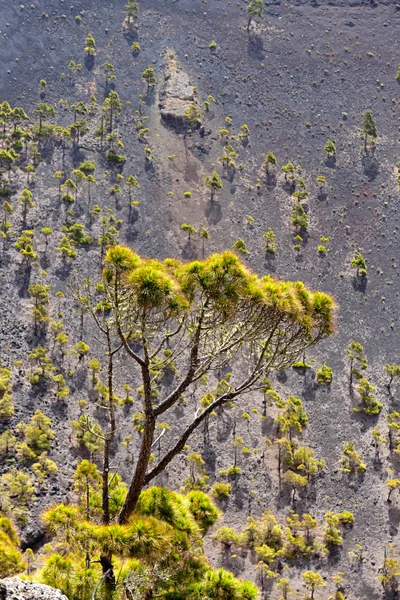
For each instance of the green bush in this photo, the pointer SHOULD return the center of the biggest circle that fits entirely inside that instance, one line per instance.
(221, 490)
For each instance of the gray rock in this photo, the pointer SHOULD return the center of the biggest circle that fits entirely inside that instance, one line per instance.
(14, 588)
(177, 94)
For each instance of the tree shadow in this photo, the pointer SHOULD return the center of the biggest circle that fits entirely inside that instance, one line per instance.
(150, 97)
(394, 518)
(77, 156)
(224, 432)
(270, 262)
(282, 376)
(149, 168)
(255, 46)
(89, 62)
(360, 283)
(133, 214)
(213, 212)
(22, 279)
(130, 33)
(289, 186)
(299, 258)
(64, 271)
(370, 165)
(271, 181)
(331, 162)
(209, 457)
(310, 386)
(189, 252)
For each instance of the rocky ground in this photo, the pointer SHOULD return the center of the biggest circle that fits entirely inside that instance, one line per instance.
(305, 73)
(13, 588)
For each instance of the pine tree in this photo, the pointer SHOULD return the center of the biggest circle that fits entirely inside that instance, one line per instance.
(368, 128)
(254, 9)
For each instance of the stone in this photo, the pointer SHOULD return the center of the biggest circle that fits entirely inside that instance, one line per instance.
(14, 588)
(177, 95)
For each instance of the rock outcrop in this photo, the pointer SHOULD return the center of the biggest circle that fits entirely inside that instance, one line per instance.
(178, 102)
(14, 588)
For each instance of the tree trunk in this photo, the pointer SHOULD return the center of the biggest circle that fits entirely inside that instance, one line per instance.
(109, 577)
(138, 480)
(106, 469)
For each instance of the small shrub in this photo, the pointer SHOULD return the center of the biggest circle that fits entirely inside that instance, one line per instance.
(324, 375)
(221, 490)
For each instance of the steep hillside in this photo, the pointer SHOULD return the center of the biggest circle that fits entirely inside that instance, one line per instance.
(305, 73)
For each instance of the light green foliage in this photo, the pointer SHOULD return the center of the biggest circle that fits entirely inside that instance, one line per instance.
(393, 423)
(392, 484)
(300, 218)
(87, 166)
(371, 406)
(284, 588)
(193, 114)
(227, 536)
(324, 375)
(108, 232)
(221, 490)
(240, 246)
(149, 77)
(291, 417)
(25, 245)
(203, 510)
(18, 487)
(288, 171)
(322, 181)
(302, 462)
(244, 131)
(131, 9)
(351, 461)
(389, 573)
(80, 349)
(167, 528)
(358, 362)
(214, 183)
(301, 191)
(7, 443)
(5, 226)
(6, 405)
(270, 243)
(44, 468)
(254, 9)
(394, 372)
(313, 581)
(90, 45)
(44, 366)
(368, 128)
(44, 112)
(11, 559)
(66, 248)
(360, 264)
(198, 474)
(189, 229)
(38, 436)
(40, 295)
(26, 199)
(269, 161)
(332, 533)
(76, 234)
(330, 148)
(88, 434)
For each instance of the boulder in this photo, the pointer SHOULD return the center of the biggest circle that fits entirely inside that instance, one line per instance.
(177, 95)
(14, 588)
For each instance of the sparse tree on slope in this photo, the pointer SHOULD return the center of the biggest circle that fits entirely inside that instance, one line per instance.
(175, 306)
